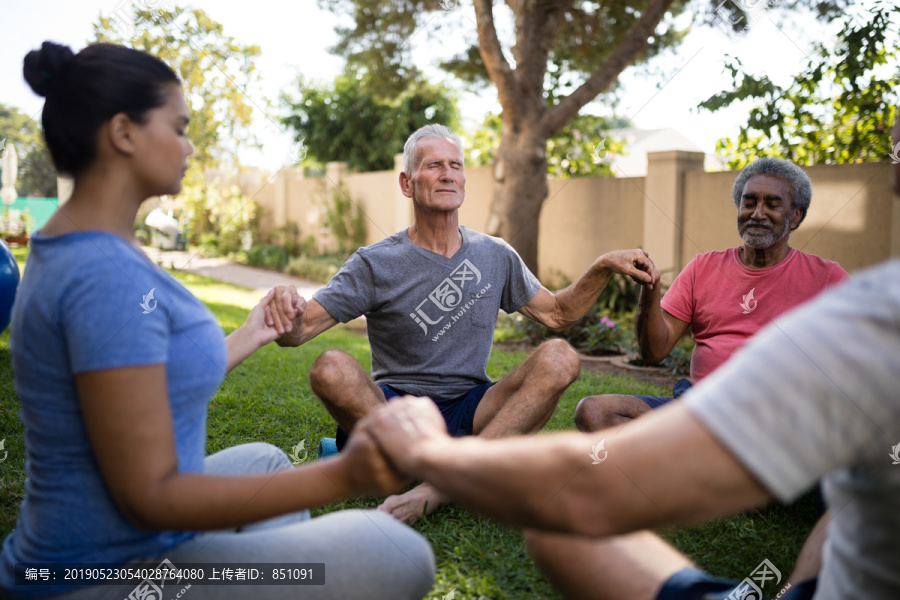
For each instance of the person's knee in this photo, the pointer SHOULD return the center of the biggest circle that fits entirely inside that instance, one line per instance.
(268, 458)
(329, 369)
(562, 358)
(594, 413)
(585, 413)
(539, 546)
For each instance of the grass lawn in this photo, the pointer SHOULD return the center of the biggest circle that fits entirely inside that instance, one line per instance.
(268, 398)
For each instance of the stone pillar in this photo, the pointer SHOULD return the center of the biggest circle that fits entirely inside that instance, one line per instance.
(664, 207)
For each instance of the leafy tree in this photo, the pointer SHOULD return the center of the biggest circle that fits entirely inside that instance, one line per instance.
(216, 72)
(37, 177)
(347, 122)
(582, 149)
(564, 53)
(838, 109)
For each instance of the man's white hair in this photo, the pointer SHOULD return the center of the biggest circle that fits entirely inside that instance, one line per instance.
(411, 153)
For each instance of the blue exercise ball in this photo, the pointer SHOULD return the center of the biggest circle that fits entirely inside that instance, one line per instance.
(9, 282)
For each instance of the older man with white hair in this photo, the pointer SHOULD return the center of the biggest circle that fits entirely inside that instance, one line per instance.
(431, 294)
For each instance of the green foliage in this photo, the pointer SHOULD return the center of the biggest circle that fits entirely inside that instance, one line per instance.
(582, 148)
(36, 174)
(838, 109)
(346, 121)
(267, 256)
(319, 269)
(215, 72)
(346, 221)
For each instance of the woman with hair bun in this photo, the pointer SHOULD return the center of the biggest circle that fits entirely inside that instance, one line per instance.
(115, 363)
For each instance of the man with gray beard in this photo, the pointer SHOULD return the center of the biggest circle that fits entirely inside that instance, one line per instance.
(726, 296)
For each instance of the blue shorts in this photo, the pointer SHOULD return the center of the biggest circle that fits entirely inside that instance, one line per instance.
(655, 402)
(693, 584)
(458, 413)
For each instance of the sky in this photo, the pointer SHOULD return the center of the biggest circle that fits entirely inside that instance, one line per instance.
(294, 37)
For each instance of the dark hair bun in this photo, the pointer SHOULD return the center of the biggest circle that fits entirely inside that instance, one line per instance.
(43, 67)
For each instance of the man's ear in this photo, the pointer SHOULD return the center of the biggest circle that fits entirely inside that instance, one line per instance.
(406, 185)
(120, 131)
(796, 217)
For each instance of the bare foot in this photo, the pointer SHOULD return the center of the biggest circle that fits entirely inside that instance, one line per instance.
(407, 508)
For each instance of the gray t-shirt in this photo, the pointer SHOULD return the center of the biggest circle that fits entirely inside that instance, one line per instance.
(430, 318)
(817, 395)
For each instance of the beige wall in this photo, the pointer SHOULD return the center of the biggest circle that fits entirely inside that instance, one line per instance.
(676, 212)
(852, 216)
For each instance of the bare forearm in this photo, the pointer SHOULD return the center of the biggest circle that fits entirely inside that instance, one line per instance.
(205, 502)
(650, 327)
(665, 470)
(576, 300)
(239, 345)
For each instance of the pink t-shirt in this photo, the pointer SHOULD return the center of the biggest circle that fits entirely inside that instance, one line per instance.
(726, 303)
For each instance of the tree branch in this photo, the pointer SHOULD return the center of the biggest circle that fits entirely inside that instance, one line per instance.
(627, 51)
(492, 55)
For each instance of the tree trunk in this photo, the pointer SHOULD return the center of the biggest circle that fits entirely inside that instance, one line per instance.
(520, 188)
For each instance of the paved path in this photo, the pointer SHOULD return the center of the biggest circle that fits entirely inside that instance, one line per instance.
(223, 269)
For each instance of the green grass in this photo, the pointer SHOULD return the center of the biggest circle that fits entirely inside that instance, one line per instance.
(268, 398)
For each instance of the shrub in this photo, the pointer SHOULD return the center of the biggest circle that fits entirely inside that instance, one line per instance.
(267, 256)
(320, 269)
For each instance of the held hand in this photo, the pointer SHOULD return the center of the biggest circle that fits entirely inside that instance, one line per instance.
(256, 325)
(368, 470)
(286, 309)
(634, 263)
(403, 427)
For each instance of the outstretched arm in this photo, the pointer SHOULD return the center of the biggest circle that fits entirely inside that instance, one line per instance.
(663, 469)
(560, 310)
(129, 424)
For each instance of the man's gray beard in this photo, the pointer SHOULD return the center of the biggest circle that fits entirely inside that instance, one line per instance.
(765, 239)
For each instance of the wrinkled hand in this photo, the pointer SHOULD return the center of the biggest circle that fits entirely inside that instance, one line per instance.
(286, 309)
(634, 263)
(368, 471)
(403, 427)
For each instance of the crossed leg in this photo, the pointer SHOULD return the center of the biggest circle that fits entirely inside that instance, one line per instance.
(520, 403)
(636, 565)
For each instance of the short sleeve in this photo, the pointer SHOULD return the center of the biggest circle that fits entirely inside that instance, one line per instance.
(678, 300)
(114, 317)
(350, 292)
(521, 284)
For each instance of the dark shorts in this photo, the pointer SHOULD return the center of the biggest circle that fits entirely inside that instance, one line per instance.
(655, 402)
(692, 584)
(458, 413)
